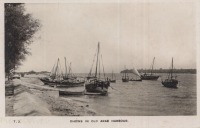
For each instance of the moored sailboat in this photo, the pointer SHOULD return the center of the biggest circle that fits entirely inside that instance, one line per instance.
(69, 79)
(112, 80)
(171, 81)
(55, 75)
(125, 77)
(150, 76)
(95, 84)
(57, 78)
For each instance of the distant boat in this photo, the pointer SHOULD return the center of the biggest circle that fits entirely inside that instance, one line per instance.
(56, 78)
(95, 84)
(112, 80)
(137, 74)
(171, 81)
(150, 76)
(125, 77)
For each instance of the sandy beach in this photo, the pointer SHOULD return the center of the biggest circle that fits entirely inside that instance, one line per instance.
(32, 98)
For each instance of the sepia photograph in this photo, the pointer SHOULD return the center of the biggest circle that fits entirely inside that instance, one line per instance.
(99, 63)
(100, 59)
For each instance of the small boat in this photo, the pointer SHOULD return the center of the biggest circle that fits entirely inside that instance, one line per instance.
(62, 92)
(95, 93)
(150, 76)
(112, 80)
(132, 79)
(137, 74)
(95, 84)
(171, 81)
(125, 77)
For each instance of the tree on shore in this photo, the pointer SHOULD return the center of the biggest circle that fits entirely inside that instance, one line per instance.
(20, 28)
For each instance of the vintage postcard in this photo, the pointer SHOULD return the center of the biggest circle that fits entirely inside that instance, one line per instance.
(93, 63)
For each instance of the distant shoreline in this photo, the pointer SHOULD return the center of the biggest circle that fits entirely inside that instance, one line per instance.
(189, 71)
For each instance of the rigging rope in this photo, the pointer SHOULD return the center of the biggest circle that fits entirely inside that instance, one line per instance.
(60, 69)
(103, 68)
(92, 65)
(52, 71)
(125, 94)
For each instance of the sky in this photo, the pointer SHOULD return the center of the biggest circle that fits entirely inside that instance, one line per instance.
(130, 34)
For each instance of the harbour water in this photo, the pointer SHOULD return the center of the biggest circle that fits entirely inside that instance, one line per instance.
(146, 98)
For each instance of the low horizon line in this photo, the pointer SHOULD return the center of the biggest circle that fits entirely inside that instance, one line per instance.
(121, 70)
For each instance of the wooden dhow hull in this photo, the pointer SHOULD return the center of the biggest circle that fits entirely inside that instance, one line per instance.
(125, 80)
(149, 77)
(62, 83)
(170, 83)
(97, 87)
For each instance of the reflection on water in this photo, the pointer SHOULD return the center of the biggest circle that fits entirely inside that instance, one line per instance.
(146, 98)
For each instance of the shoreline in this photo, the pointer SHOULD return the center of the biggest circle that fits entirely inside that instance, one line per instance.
(38, 100)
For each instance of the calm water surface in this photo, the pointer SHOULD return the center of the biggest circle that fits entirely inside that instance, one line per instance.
(146, 98)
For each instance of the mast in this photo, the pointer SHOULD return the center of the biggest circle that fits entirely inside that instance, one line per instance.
(97, 60)
(69, 69)
(103, 68)
(172, 68)
(125, 74)
(99, 65)
(112, 75)
(65, 69)
(56, 68)
(152, 65)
